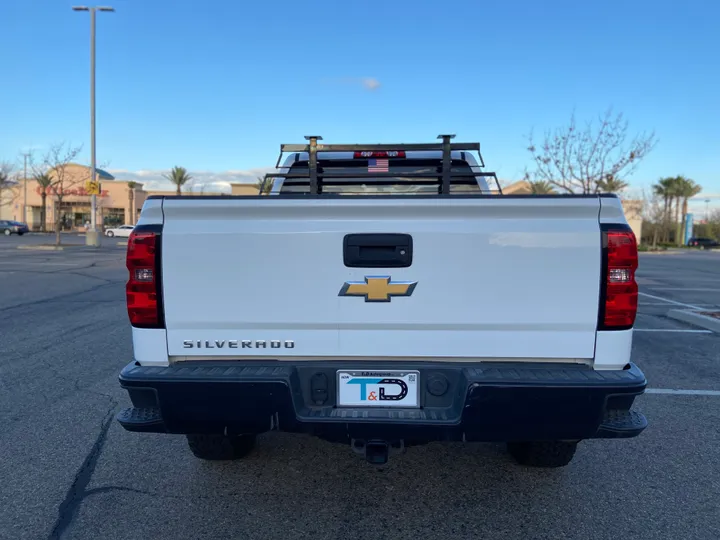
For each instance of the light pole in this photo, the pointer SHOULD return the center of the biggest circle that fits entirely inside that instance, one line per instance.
(707, 211)
(92, 237)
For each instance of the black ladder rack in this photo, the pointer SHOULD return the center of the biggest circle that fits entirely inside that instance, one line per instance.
(446, 174)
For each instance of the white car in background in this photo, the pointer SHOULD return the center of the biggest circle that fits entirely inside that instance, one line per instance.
(123, 231)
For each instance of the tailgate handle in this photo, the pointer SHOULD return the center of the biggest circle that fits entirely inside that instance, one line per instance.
(377, 250)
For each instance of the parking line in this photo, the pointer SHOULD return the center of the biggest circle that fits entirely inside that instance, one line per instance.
(665, 304)
(683, 288)
(672, 391)
(656, 304)
(669, 301)
(38, 263)
(653, 304)
(673, 330)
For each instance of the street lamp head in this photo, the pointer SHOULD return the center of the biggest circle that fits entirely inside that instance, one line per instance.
(99, 8)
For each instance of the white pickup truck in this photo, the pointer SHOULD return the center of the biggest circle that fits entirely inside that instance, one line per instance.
(383, 296)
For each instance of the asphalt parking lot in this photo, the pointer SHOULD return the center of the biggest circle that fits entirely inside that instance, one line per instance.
(69, 471)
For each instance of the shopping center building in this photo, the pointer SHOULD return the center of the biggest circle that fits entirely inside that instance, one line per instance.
(118, 203)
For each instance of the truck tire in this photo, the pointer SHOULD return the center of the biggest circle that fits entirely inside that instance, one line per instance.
(543, 453)
(220, 447)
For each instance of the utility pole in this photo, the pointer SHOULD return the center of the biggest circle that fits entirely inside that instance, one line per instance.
(92, 237)
(25, 156)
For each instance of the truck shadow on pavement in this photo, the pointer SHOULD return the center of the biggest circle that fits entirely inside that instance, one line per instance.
(296, 486)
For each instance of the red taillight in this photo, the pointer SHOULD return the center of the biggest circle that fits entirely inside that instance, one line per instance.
(142, 285)
(380, 154)
(621, 291)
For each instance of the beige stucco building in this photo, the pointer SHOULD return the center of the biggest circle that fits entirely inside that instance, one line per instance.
(118, 203)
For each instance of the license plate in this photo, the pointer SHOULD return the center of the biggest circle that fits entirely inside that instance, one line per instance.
(378, 388)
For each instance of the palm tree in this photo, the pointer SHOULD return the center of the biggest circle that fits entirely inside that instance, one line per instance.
(131, 199)
(540, 187)
(43, 180)
(264, 185)
(178, 176)
(611, 185)
(667, 188)
(678, 184)
(686, 190)
(662, 190)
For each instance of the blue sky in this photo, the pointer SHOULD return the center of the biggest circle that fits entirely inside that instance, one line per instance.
(218, 88)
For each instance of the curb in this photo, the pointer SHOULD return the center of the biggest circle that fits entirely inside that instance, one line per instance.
(41, 248)
(695, 318)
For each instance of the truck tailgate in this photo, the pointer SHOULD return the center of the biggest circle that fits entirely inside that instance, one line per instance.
(494, 278)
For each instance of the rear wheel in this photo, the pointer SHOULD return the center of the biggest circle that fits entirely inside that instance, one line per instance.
(7, 232)
(543, 453)
(221, 447)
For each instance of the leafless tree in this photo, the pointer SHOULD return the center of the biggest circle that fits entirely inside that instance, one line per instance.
(577, 159)
(9, 187)
(653, 214)
(55, 164)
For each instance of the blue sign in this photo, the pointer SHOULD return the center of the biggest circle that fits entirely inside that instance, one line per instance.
(688, 228)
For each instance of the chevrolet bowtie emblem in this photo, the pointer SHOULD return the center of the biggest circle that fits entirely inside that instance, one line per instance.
(378, 288)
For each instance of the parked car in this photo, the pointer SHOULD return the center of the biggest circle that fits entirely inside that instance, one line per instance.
(702, 242)
(123, 231)
(13, 227)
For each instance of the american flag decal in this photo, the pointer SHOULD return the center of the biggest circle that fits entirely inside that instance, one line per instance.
(378, 165)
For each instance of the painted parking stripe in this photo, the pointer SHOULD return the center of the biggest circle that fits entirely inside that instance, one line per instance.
(642, 303)
(669, 301)
(38, 263)
(673, 391)
(683, 289)
(677, 331)
(666, 277)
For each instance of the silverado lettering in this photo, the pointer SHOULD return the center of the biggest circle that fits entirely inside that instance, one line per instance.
(242, 343)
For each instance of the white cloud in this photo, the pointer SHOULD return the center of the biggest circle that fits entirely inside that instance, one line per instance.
(370, 83)
(153, 180)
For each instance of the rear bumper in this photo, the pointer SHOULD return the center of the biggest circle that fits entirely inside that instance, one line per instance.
(459, 401)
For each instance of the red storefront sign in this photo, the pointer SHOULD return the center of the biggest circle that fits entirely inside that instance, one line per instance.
(80, 192)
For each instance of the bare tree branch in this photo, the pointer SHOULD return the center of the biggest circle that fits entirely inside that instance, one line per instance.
(574, 160)
(9, 186)
(653, 214)
(56, 164)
